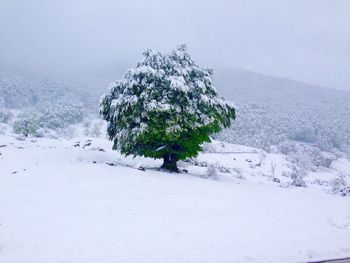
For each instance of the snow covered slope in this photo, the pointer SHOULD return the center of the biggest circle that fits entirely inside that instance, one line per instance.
(78, 201)
(271, 110)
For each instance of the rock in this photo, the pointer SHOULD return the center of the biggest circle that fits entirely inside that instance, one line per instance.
(345, 191)
(276, 180)
(141, 168)
(110, 164)
(3, 145)
(185, 170)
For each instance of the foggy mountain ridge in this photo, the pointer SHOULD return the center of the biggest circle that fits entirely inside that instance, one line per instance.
(239, 85)
(245, 86)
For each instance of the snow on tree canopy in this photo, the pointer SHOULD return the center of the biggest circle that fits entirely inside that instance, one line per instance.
(166, 106)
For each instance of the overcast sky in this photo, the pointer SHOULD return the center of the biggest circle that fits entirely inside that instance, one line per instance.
(307, 40)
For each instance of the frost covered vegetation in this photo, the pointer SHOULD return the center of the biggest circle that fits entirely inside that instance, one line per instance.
(166, 108)
(45, 104)
(272, 110)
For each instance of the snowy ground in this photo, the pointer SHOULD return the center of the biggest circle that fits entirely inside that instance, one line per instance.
(60, 203)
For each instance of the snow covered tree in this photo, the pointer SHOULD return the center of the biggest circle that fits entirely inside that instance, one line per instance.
(166, 108)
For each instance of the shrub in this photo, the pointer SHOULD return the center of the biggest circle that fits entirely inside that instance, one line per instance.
(5, 116)
(60, 114)
(339, 186)
(212, 171)
(298, 174)
(93, 129)
(27, 124)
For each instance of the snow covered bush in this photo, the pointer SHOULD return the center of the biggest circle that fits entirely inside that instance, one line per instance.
(60, 114)
(196, 162)
(212, 171)
(298, 175)
(339, 186)
(68, 132)
(166, 108)
(42, 132)
(27, 124)
(287, 147)
(273, 169)
(3, 128)
(93, 128)
(5, 116)
(306, 155)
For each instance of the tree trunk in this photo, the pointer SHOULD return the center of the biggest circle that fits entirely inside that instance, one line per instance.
(170, 163)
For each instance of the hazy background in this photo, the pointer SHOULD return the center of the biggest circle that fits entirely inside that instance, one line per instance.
(307, 40)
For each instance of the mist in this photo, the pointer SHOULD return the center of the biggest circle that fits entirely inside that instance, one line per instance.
(78, 40)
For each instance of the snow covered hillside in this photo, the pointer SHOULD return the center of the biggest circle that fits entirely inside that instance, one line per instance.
(21, 91)
(78, 201)
(272, 110)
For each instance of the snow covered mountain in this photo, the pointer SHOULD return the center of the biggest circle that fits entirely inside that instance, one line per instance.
(245, 86)
(272, 110)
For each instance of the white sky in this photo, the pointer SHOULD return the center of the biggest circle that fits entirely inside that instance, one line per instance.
(306, 40)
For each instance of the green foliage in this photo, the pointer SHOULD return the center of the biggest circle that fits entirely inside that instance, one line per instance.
(166, 106)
